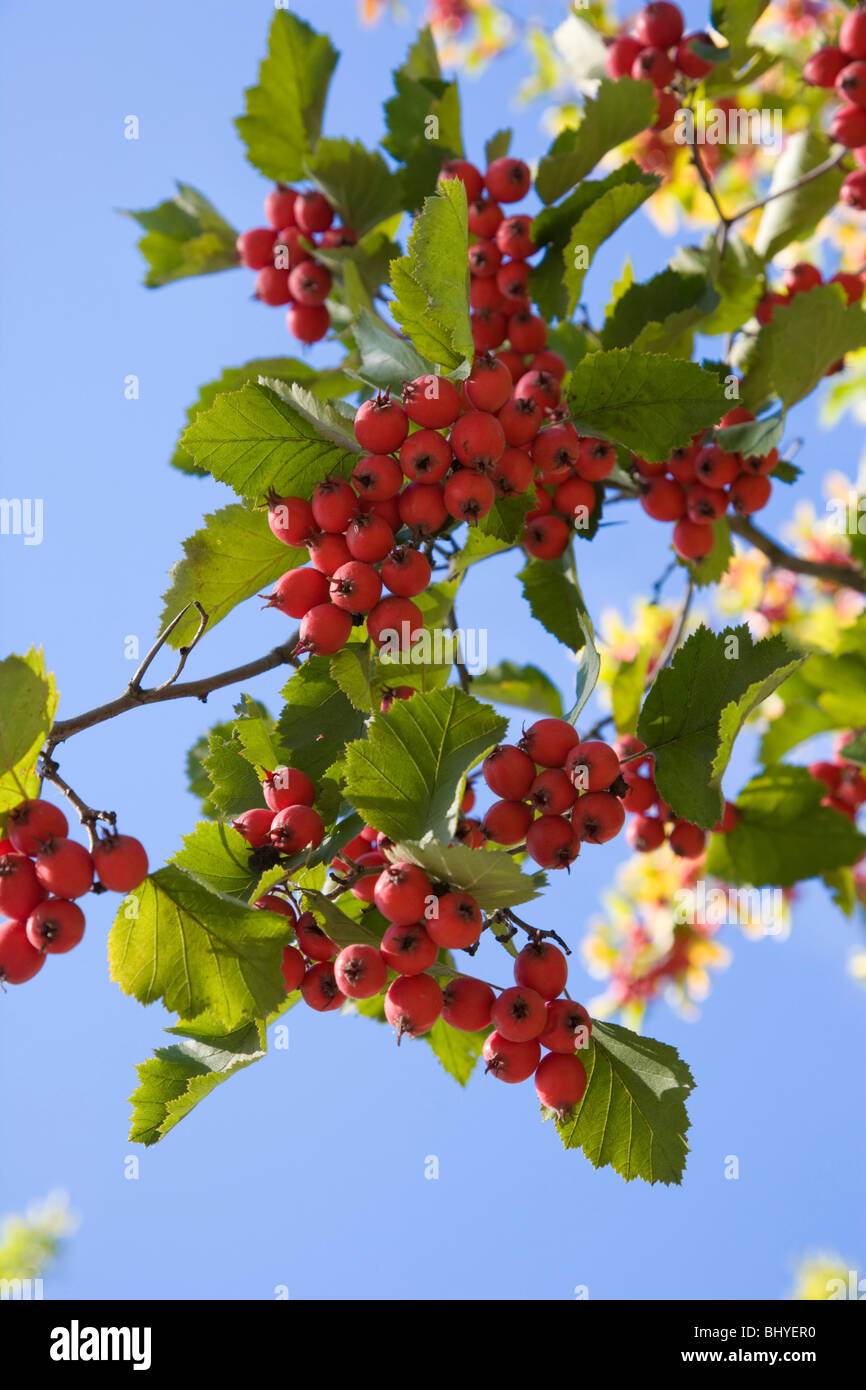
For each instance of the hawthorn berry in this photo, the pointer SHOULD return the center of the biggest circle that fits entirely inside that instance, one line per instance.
(369, 538)
(541, 967)
(381, 425)
(848, 126)
(489, 329)
(822, 68)
(851, 284)
(510, 1061)
(521, 419)
(798, 279)
(401, 893)
(297, 828)
(457, 921)
(645, 833)
(19, 958)
(705, 504)
(552, 842)
(294, 968)
(512, 281)
(477, 439)
(273, 902)
(409, 950)
(312, 211)
(55, 926)
(489, 385)
(668, 104)
(560, 1082)
(598, 817)
(324, 630)
(506, 822)
(309, 283)
(853, 190)
(509, 772)
(484, 259)
(356, 587)
(328, 551)
(692, 539)
(256, 248)
(681, 464)
(319, 988)
(507, 180)
(514, 239)
(395, 618)
(314, 943)
(852, 35)
(467, 1003)
(255, 826)
(377, 477)
(653, 65)
(426, 456)
(659, 23)
(412, 1005)
(334, 503)
(406, 572)
(64, 868)
(527, 332)
(291, 520)
(469, 496)
(486, 294)
(567, 1026)
(715, 468)
(469, 176)
(422, 508)
(360, 971)
(545, 537)
(297, 591)
(120, 862)
(484, 217)
(591, 765)
(687, 840)
(688, 61)
(596, 459)
(548, 742)
(272, 286)
(640, 796)
(513, 473)
(519, 1014)
(663, 499)
(749, 493)
(33, 822)
(551, 792)
(575, 498)
(308, 322)
(730, 817)
(620, 55)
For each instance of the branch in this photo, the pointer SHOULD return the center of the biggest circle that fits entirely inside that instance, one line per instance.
(847, 577)
(135, 683)
(815, 173)
(675, 637)
(86, 814)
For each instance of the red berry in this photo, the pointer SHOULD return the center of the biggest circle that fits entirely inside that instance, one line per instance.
(308, 322)
(640, 796)
(466, 1004)
(55, 926)
(426, 456)
(506, 822)
(381, 425)
(484, 259)
(598, 817)
(592, 766)
(484, 217)
(296, 592)
(19, 959)
(549, 741)
(291, 520)
(402, 892)
(567, 1028)
(542, 387)
(310, 283)
(406, 572)
(715, 468)
(324, 630)
(645, 833)
(690, 62)
(412, 1005)
(692, 539)
(798, 279)
(254, 825)
(486, 294)
(377, 477)
(457, 922)
(852, 35)
(555, 452)
(431, 401)
(513, 473)
(768, 306)
(272, 902)
(297, 828)
(510, 1061)
(334, 504)
(552, 843)
(120, 862)
(729, 819)
(272, 286)
(853, 190)
(512, 281)
(620, 56)
(294, 968)
(520, 420)
(527, 332)
(469, 496)
(395, 621)
(659, 23)
(653, 65)
(822, 68)
(519, 1014)
(369, 538)
(356, 587)
(851, 284)
(360, 971)
(545, 537)
(509, 772)
(256, 248)
(422, 508)
(575, 498)
(750, 493)
(328, 552)
(687, 840)
(551, 792)
(312, 211)
(597, 458)
(513, 237)
(64, 868)
(31, 823)
(705, 504)
(663, 499)
(489, 329)
(513, 361)
(848, 126)
(668, 104)
(408, 950)
(560, 1082)
(312, 940)
(319, 988)
(478, 440)
(280, 207)
(290, 249)
(468, 175)
(508, 180)
(541, 967)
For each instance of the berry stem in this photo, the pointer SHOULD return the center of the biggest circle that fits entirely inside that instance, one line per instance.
(86, 814)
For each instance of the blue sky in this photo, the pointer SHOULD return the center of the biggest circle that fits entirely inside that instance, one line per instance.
(308, 1169)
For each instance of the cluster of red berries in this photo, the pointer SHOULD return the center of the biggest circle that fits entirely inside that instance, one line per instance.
(845, 782)
(283, 254)
(287, 821)
(42, 872)
(653, 820)
(800, 279)
(843, 66)
(656, 52)
(699, 482)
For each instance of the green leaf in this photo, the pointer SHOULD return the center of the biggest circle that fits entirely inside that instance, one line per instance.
(710, 568)
(406, 776)
(477, 547)
(28, 703)
(318, 720)
(735, 19)
(554, 600)
(633, 1115)
(233, 557)
(344, 930)
(506, 520)
(431, 282)
(650, 404)
(737, 277)
(195, 949)
(255, 441)
(754, 438)
(527, 687)
(619, 111)
(234, 783)
(327, 385)
(855, 749)
(498, 145)
(423, 120)
(175, 1079)
(626, 691)
(220, 856)
(184, 236)
(794, 216)
(357, 183)
(599, 222)
(790, 356)
(843, 889)
(491, 876)
(387, 359)
(350, 668)
(654, 315)
(283, 116)
(800, 720)
(457, 1051)
(784, 835)
(697, 706)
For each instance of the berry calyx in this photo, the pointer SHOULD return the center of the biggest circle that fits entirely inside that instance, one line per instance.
(64, 868)
(360, 971)
(456, 921)
(402, 892)
(412, 1005)
(319, 988)
(296, 828)
(408, 950)
(33, 822)
(55, 926)
(510, 1061)
(568, 1026)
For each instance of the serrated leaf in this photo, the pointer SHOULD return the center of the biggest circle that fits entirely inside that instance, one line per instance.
(350, 668)
(491, 876)
(633, 1115)
(184, 236)
(175, 1079)
(793, 216)
(696, 707)
(800, 720)
(256, 441)
(855, 749)
(754, 438)
(405, 777)
(498, 145)
(477, 546)
(423, 120)
(357, 183)
(619, 111)
(506, 520)
(197, 950)
(783, 835)
(220, 856)
(233, 557)
(651, 404)
(790, 356)
(431, 282)
(284, 110)
(527, 687)
(28, 703)
(457, 1051)
(234, 782)
(344, 930)
(387, 359)
(599, 222)
(626, 691)
(653, 315)
(737, 277)
(554, 600)
(318, 720)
